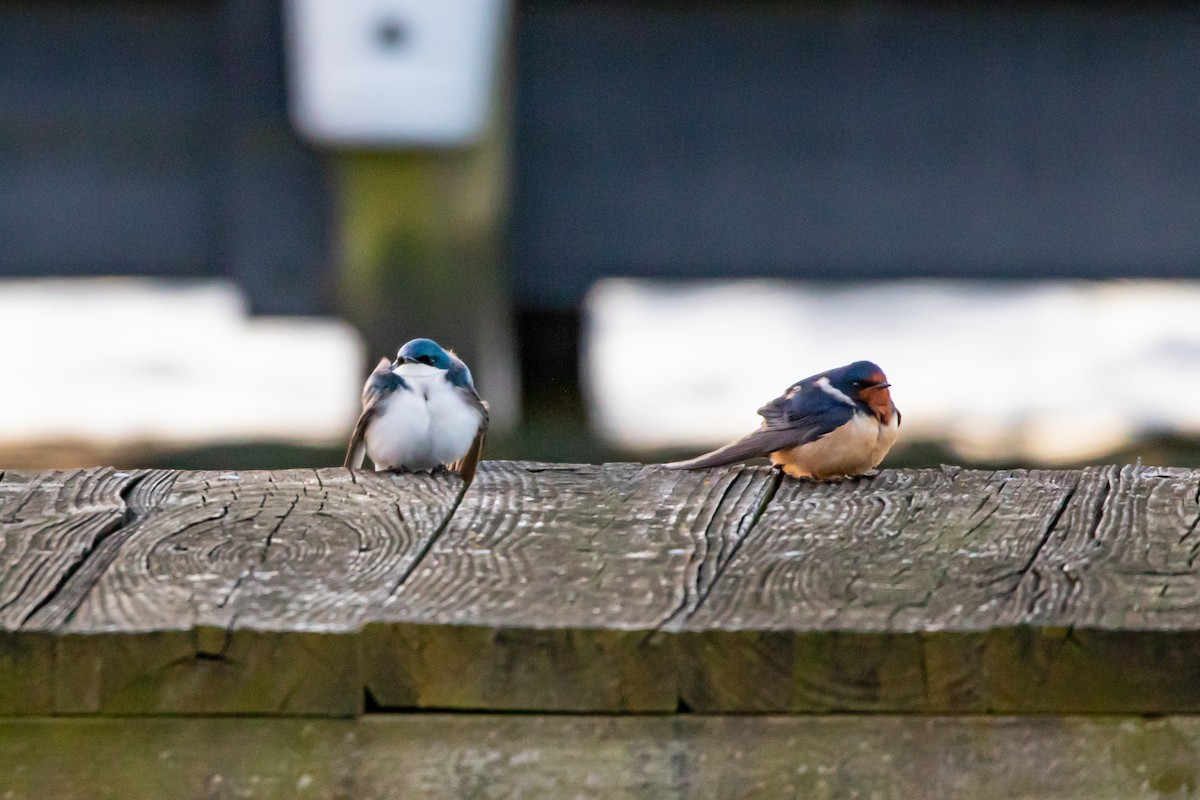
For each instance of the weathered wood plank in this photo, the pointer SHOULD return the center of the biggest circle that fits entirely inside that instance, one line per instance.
(955, 591)
(52, 522)
(468, 756)
(276, 550)
(50, 525)
(605, 588)
(182, 758)
(1110, 608)
(836, 599)
(1123, 557)
(142, 498)
(244, 594)
(549, 583)
(907, 550)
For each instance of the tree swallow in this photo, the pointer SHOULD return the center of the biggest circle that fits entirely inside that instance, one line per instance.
(420, 413)
(835, 424)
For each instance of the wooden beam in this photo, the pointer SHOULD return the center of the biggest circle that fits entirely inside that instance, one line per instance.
(456, 757)
(421, 251)
(549, 584)
(608, 588)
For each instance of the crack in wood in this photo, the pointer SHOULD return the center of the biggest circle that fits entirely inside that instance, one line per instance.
(994, 497)
(769, 492)
(237, 584)
(62, 612)
(202, 652)
(423, 551)
(1194, 551)
(698, 556)
(1088, 532)
(1023, 572)
(249, 572)
(902, 607)
(14, 517)
(1093, 527)
(105, 552)
(129, 516)
(262, 559)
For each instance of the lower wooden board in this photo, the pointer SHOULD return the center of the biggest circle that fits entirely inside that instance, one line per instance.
(475, 757)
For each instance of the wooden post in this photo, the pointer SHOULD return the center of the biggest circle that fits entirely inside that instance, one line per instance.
(422, 253)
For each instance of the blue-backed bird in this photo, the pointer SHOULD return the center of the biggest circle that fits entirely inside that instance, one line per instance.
(835, 424)
(420, 413)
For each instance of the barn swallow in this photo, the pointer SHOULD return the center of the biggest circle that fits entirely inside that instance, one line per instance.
(835, 424)
(420, 413)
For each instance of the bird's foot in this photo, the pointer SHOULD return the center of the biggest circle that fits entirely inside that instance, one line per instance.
(794, 474)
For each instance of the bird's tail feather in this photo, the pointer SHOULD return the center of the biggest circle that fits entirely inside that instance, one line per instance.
(355, 454)
(759, 444)
(742, 449)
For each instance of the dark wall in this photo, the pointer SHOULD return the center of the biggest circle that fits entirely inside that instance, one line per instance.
(852, 141)
(151, 138)
(674, 139)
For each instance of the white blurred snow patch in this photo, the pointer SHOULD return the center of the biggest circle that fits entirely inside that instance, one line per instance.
(115, 361)
(1054, 372)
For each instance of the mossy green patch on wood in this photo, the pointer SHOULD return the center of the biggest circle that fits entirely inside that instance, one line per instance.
(538, 757)
(472, 667)
(821, 671)
(152, 758)
(26, 672)
(189, 672)
(421, 254)
(1034, 670)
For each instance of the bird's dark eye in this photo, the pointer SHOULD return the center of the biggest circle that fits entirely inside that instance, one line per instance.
(428, 360)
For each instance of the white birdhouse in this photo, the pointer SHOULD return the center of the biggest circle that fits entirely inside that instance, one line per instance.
(390, 73)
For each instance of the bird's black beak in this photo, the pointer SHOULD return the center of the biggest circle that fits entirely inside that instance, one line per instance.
(881, 386)
(400, 360)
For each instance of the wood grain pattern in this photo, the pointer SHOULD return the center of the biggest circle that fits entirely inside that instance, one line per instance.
(907, 550)
(959, 591)
(577, 546)
(600, 588)
(242, 592)
(1106, 615)
(50, 525)
(549, 583)
(51, 522)
(142, 498)
(1124, 556)
(269, 574)
(869, 594)
(269, 550)
(476, 756)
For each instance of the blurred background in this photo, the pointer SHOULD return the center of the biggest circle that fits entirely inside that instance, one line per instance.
(636, 221)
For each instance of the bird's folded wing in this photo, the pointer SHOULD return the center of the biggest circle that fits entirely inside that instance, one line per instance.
(466, 466)
(777, 433)
(796, 403)
(381, 383)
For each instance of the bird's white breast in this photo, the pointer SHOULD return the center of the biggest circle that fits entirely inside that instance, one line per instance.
(854, 448)
(429, 425)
